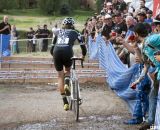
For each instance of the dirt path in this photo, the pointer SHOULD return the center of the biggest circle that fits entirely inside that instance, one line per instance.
(26, 107)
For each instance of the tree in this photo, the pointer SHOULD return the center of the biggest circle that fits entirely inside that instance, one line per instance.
(7, 4)
(99, 4)
(2, 5)
(74, 3)
(10, 4)
(49, 6)
(22, 4)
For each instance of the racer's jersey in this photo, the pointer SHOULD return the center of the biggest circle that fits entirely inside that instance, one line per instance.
(67, 37)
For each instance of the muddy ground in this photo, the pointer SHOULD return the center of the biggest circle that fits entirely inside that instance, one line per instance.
(39, 107)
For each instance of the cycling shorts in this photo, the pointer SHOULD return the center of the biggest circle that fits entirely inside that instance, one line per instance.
(62, 57)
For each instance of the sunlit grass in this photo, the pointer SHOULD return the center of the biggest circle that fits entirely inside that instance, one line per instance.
(24, 19)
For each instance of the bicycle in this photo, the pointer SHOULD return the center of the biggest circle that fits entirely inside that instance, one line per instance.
(75, 98)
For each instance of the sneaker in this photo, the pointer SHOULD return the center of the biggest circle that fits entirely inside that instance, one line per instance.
(66, 107)
(145, 126)
(133, 121)
(67, 90)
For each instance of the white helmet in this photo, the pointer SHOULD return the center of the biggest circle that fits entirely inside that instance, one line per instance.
(68, 20)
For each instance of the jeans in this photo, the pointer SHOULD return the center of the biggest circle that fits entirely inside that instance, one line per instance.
(142, 102)
(157, 119)
(153, 102)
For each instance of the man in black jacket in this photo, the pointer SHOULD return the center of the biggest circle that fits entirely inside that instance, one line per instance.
(5, 27)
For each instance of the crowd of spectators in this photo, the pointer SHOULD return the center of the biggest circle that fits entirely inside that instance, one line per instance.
(35, 38)
(41, 34)
(127, 32)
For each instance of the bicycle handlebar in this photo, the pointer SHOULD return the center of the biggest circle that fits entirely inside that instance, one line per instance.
(74, 61)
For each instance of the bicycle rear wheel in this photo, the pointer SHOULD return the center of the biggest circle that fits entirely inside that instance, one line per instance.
(76, 99)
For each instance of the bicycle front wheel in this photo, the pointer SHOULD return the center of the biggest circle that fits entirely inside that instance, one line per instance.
(76, 99)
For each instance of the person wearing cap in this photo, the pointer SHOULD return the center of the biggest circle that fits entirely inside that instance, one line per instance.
(141, 16)
(149, 17)
(120, 26)
(107, 25)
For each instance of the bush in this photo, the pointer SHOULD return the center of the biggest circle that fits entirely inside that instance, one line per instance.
(65, 9)
(22, 34)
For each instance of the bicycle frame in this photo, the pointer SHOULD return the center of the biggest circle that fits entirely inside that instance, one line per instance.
(75, 97)
(74, 78)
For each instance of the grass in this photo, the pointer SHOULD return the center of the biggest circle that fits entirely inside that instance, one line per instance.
(24, 19)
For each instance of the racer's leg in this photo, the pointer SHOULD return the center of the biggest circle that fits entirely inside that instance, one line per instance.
(61, 81)
(67, 80)
(61, 87)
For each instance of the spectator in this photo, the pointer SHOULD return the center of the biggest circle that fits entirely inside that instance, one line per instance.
(123, 6)
(141, 16)
(156, 22)
(120, 25)
(108, 25)
(14, 36)
(142, 5)
(115, 4)
(85, 33)
(154, 74)
(30, 35)
(5, 27)
(45, 34)
(143, 84)
(130, 57)
(38, 35)
(109, 9)
(55, 30)
(119, 28)
(149, 17)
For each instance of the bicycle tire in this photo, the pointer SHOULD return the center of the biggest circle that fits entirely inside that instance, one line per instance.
(76, 101)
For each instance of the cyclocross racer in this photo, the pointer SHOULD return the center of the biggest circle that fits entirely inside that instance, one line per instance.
(62, 52)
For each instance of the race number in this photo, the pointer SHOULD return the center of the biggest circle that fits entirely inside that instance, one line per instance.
(63, 40)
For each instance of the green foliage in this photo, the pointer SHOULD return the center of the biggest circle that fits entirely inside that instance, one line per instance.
(7, 4)
(46, 6)
(2, 2)
(52, 6)
(22, 34)
(21, 4)
(49, 6)
(65, 9)
(99, 4)
(75, 4)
